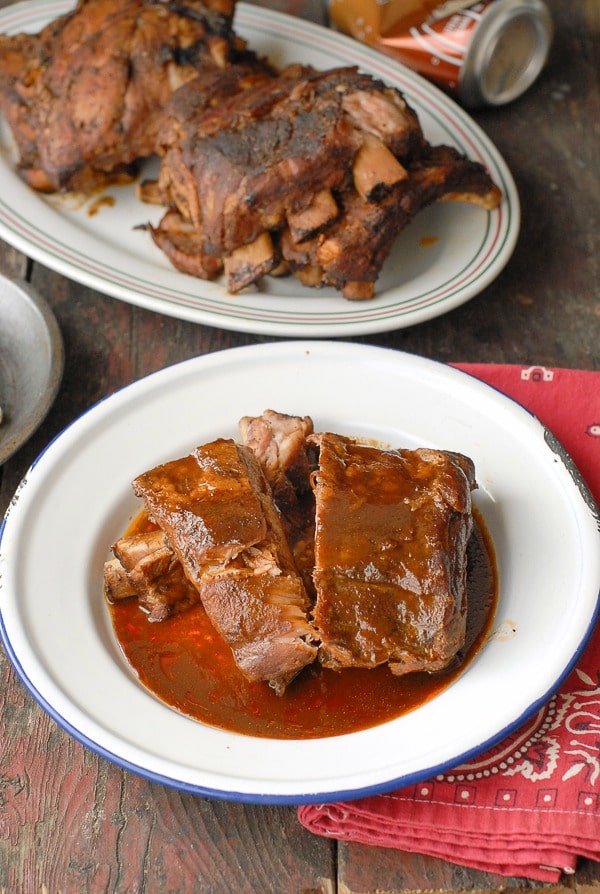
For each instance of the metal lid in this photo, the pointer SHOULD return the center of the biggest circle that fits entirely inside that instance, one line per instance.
(507, 53)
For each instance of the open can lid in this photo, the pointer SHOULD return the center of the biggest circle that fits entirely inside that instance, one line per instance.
(508, 51)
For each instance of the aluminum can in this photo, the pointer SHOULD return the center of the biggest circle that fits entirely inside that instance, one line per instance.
(485, 53)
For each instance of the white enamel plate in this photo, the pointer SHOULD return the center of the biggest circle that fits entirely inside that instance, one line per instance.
(448, 254)
(77, 500)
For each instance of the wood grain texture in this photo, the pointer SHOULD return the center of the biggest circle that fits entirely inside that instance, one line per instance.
(72, 822)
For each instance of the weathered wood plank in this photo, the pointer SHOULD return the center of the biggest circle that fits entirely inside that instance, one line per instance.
(71, 822)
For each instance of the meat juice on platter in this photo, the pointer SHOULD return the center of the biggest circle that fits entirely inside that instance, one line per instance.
(302, 585)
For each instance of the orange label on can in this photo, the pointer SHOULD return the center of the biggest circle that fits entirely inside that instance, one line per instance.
(427, 35)
(437, 48)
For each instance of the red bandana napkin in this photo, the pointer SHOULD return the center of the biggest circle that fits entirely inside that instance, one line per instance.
(531, 805)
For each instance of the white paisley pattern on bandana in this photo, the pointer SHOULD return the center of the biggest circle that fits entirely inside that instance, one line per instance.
(561, 742)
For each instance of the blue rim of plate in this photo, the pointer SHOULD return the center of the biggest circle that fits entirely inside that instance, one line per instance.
(316, 796)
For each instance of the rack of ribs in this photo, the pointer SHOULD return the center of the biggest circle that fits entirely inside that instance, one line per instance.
(216, 511)
(84, 97)
(392, 528)
(310, 172)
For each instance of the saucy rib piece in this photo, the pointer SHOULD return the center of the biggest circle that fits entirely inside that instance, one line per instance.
(390, 555)
(84, 97)
(144, 565)
(279, 442)
(304, 546)
(217, 512)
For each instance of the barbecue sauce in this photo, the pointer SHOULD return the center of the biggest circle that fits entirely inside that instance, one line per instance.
(187, 665)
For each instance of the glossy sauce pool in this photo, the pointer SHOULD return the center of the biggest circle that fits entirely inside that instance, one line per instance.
(184, 662)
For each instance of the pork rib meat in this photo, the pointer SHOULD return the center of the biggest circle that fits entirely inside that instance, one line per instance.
(280, 443)
(305, 546)
(217, 512)
(282, 171)
(390, 555)
(84, 98)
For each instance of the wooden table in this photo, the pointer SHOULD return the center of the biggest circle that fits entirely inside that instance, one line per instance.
(70, 821)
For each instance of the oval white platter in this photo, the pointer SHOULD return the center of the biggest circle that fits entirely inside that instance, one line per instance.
(77, 499)
(447, 255)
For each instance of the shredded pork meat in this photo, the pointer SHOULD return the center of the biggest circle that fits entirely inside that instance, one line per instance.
(217, 512)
